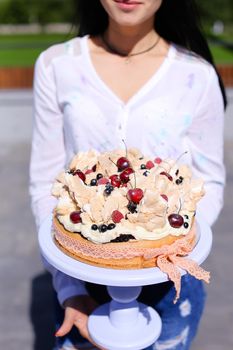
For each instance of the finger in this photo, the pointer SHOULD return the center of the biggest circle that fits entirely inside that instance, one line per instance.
(66, 325)
(81, 324)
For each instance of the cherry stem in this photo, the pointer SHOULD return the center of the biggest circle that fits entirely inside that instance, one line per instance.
(180, 206)
(177, 160)
(167, 171)
(134, 179)
(112, 161)
(126, 151)
(131, 184)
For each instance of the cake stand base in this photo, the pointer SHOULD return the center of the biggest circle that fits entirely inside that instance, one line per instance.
(124, 323)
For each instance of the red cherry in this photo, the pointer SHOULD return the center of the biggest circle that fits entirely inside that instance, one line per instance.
(80, 174)
(123, 163)
(167, 175)
(158, 160)
(117, 216)
(149, 164)
(75, 217)
(135, 195)
(124, 176)
(88, 171)
(102, 181)
(175, 220)
(164, 197)
(115, 180)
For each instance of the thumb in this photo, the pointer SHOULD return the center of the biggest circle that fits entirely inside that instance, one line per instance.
(66, 326)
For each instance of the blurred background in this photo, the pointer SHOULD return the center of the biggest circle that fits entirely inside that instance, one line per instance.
(27, 27)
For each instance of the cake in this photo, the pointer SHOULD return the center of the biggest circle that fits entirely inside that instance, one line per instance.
(124, 210)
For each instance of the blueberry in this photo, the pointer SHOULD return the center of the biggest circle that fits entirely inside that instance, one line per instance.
(93, 182)
(94, 227)
(99, 176)
(143, 166)
(111, 226)
(186, 225)
(146, 173)
(107, 191)
(103, 228)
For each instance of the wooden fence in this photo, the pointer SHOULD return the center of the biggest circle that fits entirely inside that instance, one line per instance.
(17, 78)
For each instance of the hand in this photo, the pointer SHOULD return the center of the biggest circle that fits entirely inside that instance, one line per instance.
(77, 310)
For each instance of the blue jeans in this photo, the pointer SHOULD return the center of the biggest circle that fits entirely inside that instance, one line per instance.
(179, 321)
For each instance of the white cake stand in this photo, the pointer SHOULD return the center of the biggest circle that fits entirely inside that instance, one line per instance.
(122, 324)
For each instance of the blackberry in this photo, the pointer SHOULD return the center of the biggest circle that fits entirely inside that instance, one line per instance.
(94, 227)
(123, 238)
(146, 173)
(99, 176)
(143, 166)
(132, 207)
(178, 182)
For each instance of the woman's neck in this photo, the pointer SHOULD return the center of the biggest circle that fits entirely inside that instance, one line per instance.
(130, 39)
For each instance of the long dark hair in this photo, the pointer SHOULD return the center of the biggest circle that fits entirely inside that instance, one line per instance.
(176, 21)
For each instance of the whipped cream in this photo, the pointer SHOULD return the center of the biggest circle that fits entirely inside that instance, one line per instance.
(168, 188)
(137, 231)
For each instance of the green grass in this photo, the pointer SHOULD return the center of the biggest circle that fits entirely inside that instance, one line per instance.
(22, 50)
(19, 58)
(222, 55)
(32, 38)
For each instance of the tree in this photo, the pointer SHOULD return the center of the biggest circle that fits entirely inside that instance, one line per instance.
(216, 10)
(14, 11)
(35, 11)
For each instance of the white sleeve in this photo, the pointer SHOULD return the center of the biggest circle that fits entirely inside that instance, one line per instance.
(206, 141)
(47, 160)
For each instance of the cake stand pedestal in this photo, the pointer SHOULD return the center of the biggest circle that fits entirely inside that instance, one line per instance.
(122, 324)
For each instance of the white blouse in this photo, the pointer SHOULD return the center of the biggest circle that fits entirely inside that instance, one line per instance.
(179, 109)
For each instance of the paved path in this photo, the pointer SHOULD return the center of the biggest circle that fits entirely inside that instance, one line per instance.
(26, 320)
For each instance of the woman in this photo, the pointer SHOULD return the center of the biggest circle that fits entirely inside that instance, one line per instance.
(141, 71)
